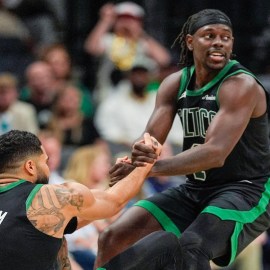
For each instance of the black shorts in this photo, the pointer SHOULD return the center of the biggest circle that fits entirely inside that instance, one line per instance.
(245, 203)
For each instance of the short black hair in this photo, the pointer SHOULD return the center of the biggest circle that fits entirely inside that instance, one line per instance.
(16, 146)
(186, 56)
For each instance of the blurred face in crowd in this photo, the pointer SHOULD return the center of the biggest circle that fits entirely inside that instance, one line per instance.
(100, 169)
(59, 60)
(89, 165)
(53, 150)
(128, 26)
(40, 78)
(139, 78)
(8, 95)
(69, 100)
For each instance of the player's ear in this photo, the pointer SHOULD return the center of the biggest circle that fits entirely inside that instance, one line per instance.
(30, 167)
(189, 39)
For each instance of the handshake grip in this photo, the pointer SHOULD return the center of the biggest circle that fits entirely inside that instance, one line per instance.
(125, 166)
(152, 142)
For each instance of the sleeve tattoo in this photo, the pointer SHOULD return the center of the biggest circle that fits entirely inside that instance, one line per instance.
(46, 212)
(63, 261)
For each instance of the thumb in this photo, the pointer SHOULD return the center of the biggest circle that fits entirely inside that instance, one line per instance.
(147, 139)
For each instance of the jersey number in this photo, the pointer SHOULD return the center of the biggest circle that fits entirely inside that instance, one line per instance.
(201, 176)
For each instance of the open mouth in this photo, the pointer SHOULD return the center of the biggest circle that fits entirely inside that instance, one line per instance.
(216, 56)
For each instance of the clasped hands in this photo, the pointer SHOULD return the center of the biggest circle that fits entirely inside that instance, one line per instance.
(144, 151)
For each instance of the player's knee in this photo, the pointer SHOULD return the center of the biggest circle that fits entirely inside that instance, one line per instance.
(194, 252)
(193, 246)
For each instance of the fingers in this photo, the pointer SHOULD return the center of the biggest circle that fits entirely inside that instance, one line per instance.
(142, 153)
(156, 145)
(154, 142)
(151, 141)
(120, 170)
(147, 139)
(123, 159)
(146, 151)
(118, 160)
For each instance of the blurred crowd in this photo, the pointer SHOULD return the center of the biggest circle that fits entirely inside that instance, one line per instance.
(84, 128)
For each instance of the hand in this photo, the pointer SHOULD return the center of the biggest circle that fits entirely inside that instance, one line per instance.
(121, 169)
(156, 145)
(124, 166)
(143, 153)
(107, 13)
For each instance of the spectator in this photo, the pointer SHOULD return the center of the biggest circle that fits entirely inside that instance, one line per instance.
(76, 128)
(40, 19)
(40, 90)
(121, 117)
(15, 44)
(14, 114)
(53, 146)
(58, 57)
(118, 39)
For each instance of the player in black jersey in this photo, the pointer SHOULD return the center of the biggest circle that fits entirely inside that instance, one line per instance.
(224, 205)
(34, 215)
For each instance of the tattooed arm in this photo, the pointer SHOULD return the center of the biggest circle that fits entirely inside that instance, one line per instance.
(63, 261)
(54, 205)
(108, 203)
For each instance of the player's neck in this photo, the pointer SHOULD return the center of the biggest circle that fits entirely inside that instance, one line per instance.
(5, 180)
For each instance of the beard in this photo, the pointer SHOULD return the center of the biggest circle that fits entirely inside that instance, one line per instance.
(42, 178)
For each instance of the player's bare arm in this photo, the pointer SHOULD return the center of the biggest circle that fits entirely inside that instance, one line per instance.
(111, 201)
(158, 126)
(54, 205)
(241, 98)
(62, 257)
(161, 119)
(49, 210)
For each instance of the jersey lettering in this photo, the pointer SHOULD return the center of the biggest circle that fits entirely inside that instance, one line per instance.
(2, 216)
(195, 121)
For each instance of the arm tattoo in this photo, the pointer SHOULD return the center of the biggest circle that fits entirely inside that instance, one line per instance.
(71, 197)
(62, 257)
(46, 213)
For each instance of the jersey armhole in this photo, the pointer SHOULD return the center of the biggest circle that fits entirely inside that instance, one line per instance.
(183, 79)
(32, 195)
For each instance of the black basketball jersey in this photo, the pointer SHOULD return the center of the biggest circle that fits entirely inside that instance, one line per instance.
(22, 246)
(250, 158)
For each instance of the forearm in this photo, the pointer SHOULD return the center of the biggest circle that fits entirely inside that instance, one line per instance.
(128, 187)
(110, 202)
(93, 41)
(199, 158)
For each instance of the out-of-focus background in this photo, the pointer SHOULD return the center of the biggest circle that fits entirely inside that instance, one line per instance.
(83, 75)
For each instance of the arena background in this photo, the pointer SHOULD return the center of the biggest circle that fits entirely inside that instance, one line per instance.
(164, 19)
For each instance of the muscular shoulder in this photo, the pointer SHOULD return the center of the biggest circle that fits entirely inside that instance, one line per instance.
(173, 79)
(170, 85)
(243, 80)
(242, 89)
(54, 205)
